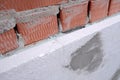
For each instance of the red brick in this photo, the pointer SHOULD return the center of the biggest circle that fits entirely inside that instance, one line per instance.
(42, 3)
(42, 28)
(8, 38)
(98, 9)
(114, 7)
(21, 5)
(73, 14)
(8, 41)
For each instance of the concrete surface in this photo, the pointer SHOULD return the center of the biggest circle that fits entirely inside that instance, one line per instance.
(92, 53)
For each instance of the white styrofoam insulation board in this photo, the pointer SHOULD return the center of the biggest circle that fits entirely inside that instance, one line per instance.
(52, 60)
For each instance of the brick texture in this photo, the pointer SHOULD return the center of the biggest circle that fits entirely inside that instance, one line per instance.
(114, 7)
(21, 5)
(73, 15)
(98, 9)
(38, 31)
(8, 41)
(42, 3)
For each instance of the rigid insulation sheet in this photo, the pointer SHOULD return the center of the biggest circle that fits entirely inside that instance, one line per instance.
(114, 7)
(92, 53)
(98, 9)
(35, 26)
(21, 5)
(73, 14)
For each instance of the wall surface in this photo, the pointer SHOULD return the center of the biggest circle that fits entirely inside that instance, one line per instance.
(92, 53)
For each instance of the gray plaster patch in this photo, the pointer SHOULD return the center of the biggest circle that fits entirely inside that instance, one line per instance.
(116, 75)
(88, 57)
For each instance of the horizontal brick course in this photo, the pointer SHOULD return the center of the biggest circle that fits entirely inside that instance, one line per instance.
(21, 5)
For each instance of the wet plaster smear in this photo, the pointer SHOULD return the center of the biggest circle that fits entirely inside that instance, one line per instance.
(116, 75)
(89, 56)
(95, 57)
